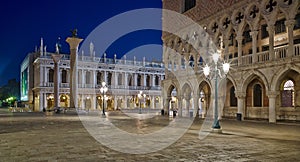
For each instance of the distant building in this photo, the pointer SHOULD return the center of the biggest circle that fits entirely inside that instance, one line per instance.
(125, 79)
(261, 39)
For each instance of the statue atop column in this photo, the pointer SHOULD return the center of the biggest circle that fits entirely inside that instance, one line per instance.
(74, 33)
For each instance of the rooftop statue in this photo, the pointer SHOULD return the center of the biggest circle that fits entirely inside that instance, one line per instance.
(74, 33)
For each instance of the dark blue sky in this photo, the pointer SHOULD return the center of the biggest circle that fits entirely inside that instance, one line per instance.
(23, 23)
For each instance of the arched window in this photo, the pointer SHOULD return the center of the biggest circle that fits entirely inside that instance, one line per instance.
(156, 80)
(88, 77)
(64, 76)
(120, 79)
(139, 78)
(99, 78)
(257, 95)
(109, 76)
(287, 95)
(51, 75)
(129, 80)
(233, 99)
(148, 81)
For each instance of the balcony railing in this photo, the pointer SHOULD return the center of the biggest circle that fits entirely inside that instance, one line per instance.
(67, 85)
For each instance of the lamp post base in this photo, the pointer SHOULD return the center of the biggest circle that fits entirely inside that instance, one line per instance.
(216, 125)
(214, 130)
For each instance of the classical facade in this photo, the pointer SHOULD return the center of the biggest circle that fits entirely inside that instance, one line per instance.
(124, 78)
(260, 39)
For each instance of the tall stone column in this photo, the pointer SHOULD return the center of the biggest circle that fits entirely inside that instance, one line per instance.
(41, 99)
(196, 105)
(179, 98)
(241, 103)
(290, 28)
(152, 100)
(56, 58)
(272, 106)
(271, 31)
(74, 43)
(125, 102)
(254, 45)
(239, 39)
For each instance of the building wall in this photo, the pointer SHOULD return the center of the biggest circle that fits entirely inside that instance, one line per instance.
(229, 25)
(120, 94)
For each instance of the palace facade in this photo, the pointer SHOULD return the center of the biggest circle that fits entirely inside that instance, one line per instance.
(260, 39)
(124, 78)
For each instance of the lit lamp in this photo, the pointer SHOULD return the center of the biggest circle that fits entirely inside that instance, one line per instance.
(217, 73)
(103, 90)
(140, 95)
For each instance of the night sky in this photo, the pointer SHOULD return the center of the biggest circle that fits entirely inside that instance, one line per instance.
(23, 23)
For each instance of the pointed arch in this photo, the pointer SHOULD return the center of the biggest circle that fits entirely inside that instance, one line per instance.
(250, 76)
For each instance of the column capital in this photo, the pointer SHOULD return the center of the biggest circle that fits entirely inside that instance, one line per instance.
(56, 57)
(239, 38)
(290, 23)
(73, 42)
(254, 33)
(272, 94)
(240, 95)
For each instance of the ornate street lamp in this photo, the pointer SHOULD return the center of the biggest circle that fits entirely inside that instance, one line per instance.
(140, 95)
(217, 73)
(103, 90)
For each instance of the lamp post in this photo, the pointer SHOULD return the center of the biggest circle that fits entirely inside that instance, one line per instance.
(103, 90)
(217, 73)
(140, 95)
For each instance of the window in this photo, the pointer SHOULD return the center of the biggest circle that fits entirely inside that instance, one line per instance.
(64, 76)
(88, 77)
(120, 79)
(99, 78)
(265, 48)
(148, 81)
(287, 94)
(188, 4)
(264, 32)
(231, 38)
(233, 99)
(257, 95)
(139, 80)
(129, 80)
(247, 37)
(280, 26)
(297, 23)
(235, 54)
(109, 76)
(156, 80)
(51, 75)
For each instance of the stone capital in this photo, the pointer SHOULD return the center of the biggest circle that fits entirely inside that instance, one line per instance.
(239, 38)
(290, 23)
(272, 94)
(240, 95)
(73, 42)
(254, 33)
(56, 57)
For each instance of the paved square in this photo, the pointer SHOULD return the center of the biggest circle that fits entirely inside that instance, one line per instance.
(62, 137)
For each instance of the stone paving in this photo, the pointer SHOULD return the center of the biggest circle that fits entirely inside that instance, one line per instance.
(62, 137)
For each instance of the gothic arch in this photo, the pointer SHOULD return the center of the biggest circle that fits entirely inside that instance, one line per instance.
(289, 10)
(230, 78)
(276, 80)
(186, 88)
(250, 76)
